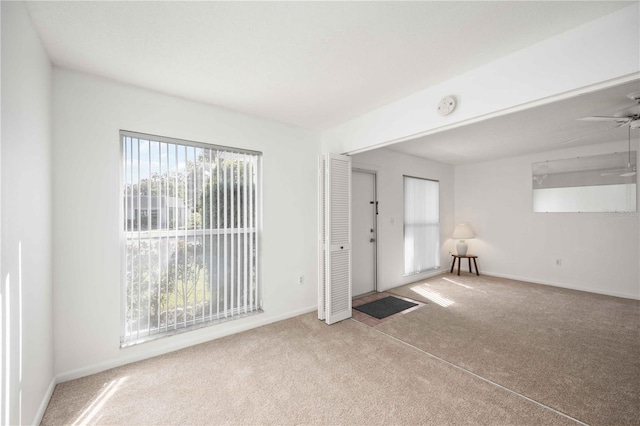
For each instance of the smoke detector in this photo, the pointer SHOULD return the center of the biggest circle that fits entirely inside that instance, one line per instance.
(446, 105)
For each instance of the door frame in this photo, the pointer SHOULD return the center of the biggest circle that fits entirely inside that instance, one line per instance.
(355, 168)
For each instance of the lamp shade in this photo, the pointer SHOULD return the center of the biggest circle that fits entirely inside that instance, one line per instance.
(463, 232)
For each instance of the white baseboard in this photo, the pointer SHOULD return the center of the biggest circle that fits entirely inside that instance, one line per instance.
(45, 402)
(175, 343)
(556, 284)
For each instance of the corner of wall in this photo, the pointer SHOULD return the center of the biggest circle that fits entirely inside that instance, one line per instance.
(26, 222)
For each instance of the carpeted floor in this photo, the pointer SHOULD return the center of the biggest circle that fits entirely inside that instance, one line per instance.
(574, 352)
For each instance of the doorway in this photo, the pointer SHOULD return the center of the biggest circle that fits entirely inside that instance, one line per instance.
(364, 232)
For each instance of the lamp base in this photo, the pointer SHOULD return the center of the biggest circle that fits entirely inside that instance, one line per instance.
(461, 248)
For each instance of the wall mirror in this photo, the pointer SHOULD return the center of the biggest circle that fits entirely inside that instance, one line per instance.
(599, 183)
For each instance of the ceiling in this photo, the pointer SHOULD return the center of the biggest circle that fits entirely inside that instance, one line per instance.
(544, 128)
(315, 64)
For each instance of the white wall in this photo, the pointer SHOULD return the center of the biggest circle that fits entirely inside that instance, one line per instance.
(88, 114)
(599, 251)
(391, 167)
(27, 347)
(604, 51)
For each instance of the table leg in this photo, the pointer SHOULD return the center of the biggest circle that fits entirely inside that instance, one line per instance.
(476, 265)
(470, 265)
(453, 264)
(459, 262)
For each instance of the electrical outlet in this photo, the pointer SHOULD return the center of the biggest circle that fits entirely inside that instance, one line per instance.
(301, 280)
(558, 262)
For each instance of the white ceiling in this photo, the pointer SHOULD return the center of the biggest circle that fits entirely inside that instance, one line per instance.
(544, 128)
(309, 64)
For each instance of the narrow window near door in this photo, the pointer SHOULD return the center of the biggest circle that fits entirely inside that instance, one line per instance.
(190, 246)
(421, 225)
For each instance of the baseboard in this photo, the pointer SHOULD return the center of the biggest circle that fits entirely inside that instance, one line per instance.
(175, 345)
(45, 402)
(555, 284)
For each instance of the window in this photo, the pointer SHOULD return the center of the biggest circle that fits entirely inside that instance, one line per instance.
(191, 235)
(421, 225)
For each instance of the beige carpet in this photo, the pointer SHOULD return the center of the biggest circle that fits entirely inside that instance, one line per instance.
(576, 352)
(572, 351)
(297, 371)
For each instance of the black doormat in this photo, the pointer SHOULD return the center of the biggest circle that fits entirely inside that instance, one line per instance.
(383, 308)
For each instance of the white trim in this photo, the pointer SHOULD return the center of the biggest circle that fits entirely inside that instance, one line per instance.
(499, 113)
(371, 171)
(364, 167)
(177, 344)
(555, 284)
(45, 402)
(172, 140)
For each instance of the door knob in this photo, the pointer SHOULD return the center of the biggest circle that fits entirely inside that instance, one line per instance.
(371, 240)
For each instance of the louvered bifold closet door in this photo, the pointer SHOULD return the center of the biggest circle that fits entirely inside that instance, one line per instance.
(338, 238)
(322, 237)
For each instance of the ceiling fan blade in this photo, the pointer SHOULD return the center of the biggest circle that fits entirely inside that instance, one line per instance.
(622, 120)
(592, 133)
(629, 111)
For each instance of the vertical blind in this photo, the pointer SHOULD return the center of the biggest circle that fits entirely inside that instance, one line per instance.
(421, 225)
(191, 235)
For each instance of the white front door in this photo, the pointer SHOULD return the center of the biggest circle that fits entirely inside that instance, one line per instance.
(363, 232)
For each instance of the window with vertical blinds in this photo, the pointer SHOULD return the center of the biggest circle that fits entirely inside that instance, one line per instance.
(421, 225)
(191, 235)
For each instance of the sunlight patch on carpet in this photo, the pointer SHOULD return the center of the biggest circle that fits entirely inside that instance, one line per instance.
(434, 296)
(457, 283)
(94, 408)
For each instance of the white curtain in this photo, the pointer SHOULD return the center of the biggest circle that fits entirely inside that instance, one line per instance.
(421, 225)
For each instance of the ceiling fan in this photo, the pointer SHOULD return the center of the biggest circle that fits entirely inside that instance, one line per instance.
(627, 116)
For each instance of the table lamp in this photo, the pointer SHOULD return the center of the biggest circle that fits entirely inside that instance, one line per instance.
(462, 232)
